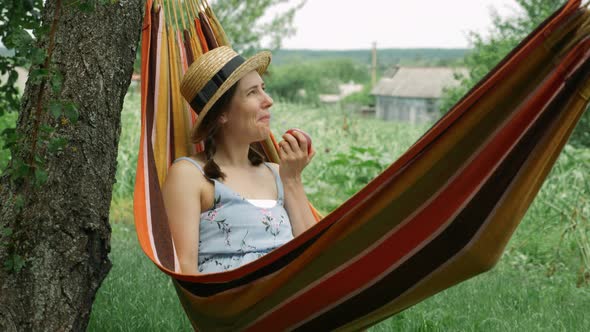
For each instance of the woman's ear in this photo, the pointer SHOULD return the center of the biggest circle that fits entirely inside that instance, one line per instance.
(223, 119)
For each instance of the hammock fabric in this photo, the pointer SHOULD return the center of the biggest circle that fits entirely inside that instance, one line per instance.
(439, 215)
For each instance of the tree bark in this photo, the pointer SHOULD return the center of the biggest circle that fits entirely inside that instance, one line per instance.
(62, 230)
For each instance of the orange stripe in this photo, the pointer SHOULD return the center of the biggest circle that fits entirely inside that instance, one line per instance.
(201, 36)
(139, 195)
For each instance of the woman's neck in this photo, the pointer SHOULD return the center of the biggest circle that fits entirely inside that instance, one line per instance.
(231, 153)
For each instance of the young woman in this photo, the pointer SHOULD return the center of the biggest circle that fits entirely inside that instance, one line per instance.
(227, 207)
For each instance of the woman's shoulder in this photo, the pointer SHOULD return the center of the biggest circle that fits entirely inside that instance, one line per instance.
(189, 162)
(184, 172)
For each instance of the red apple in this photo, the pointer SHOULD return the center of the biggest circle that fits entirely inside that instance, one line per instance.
(307, 137)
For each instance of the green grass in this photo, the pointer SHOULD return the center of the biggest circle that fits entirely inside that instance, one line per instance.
(122, 202)
(135, 296)
(538, 285)
(505, 299)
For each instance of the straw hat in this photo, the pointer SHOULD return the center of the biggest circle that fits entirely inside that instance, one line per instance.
(213, 73)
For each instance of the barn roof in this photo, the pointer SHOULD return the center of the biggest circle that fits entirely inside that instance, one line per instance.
(417, 82)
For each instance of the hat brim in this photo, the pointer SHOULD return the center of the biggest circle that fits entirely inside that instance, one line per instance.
(258, 62)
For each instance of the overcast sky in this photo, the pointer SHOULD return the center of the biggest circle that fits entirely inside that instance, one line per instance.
(347, 24)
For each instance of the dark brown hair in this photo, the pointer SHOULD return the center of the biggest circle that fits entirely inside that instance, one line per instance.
(207, 130)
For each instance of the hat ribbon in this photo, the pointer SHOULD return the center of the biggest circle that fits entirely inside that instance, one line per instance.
(207, 92)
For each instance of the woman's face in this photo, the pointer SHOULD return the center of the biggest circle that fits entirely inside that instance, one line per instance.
(249, 110)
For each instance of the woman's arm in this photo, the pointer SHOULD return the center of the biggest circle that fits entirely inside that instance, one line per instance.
(182, 200)
(294, 158)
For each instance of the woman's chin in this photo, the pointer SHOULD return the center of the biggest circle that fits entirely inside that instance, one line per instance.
(264, 132)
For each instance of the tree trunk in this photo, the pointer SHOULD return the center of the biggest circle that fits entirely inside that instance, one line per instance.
(61, 228)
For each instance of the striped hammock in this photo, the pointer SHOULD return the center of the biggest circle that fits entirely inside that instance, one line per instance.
(439, 215)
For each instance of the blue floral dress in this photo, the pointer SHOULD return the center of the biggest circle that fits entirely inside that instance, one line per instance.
(237, 231)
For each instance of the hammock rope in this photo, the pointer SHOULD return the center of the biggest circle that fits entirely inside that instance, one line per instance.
(440, 214)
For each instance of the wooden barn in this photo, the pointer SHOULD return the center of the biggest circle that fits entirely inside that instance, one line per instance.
(412, 94)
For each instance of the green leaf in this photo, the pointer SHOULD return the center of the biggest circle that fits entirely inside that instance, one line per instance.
(8, 264)
(41, 176)
(370, 164)
(19, 202)
(28, 5)
(38, 56)
(40, 160)
(338, 162)
(39, 74)
(12, 77)
(19, 39)
(15, 263)
(87, 6)
(57, 144)
(7, 231)
(340, 178)
(20, 170)
(71, 112)
(46, 129)
(56, 82)
(55, 109)
(41, 30)
(359, 150)
(10, 137)
(18, 263)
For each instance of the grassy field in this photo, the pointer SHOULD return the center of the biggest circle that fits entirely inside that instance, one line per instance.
(540, 284)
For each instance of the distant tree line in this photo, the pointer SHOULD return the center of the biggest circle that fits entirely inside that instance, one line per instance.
(304, 81)
(503, 37)
(385, 57)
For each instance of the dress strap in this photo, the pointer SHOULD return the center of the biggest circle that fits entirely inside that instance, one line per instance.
(278, 181)
(192, 161)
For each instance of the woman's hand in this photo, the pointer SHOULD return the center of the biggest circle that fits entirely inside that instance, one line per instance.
(293, 155)
(294, 158)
